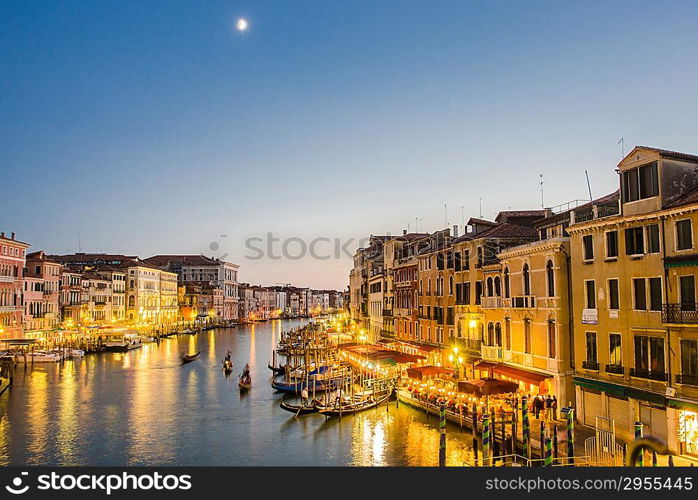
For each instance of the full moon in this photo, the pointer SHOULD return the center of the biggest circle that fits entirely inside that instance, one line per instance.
(241, 24)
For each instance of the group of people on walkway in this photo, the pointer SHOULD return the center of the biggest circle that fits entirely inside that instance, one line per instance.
(543, 406)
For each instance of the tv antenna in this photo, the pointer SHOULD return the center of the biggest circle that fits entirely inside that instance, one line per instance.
(621, 141)
(586, 172)
(542, 204)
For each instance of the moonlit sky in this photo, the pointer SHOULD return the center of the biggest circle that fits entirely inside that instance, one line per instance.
(156, 127)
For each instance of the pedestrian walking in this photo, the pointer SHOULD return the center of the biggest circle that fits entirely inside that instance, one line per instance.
(554, 408)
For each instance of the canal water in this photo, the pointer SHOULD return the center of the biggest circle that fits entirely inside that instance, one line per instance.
(145, 408)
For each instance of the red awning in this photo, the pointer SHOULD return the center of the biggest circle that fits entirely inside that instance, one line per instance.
(485, 365)
(522, 375)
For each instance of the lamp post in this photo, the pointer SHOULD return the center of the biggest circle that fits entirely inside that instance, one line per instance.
(456, 361)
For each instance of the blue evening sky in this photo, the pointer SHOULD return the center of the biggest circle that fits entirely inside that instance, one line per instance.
(150, 126)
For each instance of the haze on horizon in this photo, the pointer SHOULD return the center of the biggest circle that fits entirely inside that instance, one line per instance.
(157, 127)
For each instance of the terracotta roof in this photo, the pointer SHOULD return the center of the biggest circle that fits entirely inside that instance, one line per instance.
(507, 230)
(482, 222)
(520, 213)
(11, 240)
(192, 260)
(611, 197)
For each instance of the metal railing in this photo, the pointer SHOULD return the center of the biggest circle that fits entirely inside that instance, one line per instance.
(617, 369)
(590, 365)
(649, 375)
(680, 313)
(687, 379)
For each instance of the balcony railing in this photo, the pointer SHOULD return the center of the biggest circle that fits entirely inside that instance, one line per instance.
(492, 302)
(649, 375)
(523, 302)
(687, 379)
(7, 279)
(617, 369)
(680, 313)
(9, 309)
(590, 365)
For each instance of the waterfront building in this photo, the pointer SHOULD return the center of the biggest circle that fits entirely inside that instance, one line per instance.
(368, 263)
(634, 299)
(202, 302)
(42, 276)
(202, 269)
(96, 301)
(475, 264)
(71, 297)
(117, 277)
(12, 263)
(247, 303)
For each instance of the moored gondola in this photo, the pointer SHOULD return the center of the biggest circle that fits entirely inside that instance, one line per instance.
(347, 408)
(188, 358)
(277, 370)
(301, 409)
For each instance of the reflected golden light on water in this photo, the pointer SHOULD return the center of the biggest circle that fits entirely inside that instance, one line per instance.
(68, 409)
(37, 415)
(211, 346)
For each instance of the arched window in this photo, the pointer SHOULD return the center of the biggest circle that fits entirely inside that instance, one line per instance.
(497, 286)
(450, 285)
(490, 333)
(490, 287)
(526, 280)
(498, 334)
(131, 301)
(507, 291)
(550, 275)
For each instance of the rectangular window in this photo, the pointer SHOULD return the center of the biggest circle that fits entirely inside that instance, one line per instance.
(552, 340)
(639, 294)
(478, 292)
(612, 244)
(613, 299)
(656, 354)
(457, 261)
(527, 336)
(466, 293)
(684, 236)
(631, 188)
(640, 183)
(591, 347)
(466, 260)
(588, 243)
(590, 294)
(653, 238)
(634, 243)
(615, 354)
(655, 294)
(687, 290)
(641, 353)
(689, 357)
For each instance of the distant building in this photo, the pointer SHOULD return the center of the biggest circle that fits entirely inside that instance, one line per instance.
(12, 262)
(42, 277)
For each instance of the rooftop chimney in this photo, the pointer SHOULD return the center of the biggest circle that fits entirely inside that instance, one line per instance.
(455, 231)
(13, 235)
(2, 235)
(404, 232)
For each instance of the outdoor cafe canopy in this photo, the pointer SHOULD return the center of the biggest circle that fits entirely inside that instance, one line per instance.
(419, 372)
(486, 386)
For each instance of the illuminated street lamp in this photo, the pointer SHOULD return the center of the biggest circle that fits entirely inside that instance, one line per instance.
(456, 361)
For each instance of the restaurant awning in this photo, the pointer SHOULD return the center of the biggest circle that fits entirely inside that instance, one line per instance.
(419, 372)
(487, 386)
(518, 374)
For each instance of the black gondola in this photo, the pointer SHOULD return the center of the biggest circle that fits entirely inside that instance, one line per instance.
(299, 409)
(353, 407)
(277, 370)
(188, 358)
(227, 367)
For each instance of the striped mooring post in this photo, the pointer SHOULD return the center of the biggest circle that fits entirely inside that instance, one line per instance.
(486, 440)
(548, 460)
(542, 439)
(570, 437)
(654, 458)
(638, 435)
(555, 452)
(442, 435)
(526, 426)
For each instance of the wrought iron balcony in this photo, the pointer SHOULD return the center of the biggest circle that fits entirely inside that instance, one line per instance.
(590, 365)
(617, 369)
(649, 375)
(687, 379)
(680, 313)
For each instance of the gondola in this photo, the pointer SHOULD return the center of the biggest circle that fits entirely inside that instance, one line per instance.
(297, 387)
(353, 407)
(299, 409)
(277, 370)
(245, 382)
(227, 367)
(188, 358)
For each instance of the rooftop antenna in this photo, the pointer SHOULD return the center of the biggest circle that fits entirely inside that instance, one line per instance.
(445, 216)
(79, 242)
(586, 172)
(480, 207)
(462, 215)
(542, 204)
(621, 141)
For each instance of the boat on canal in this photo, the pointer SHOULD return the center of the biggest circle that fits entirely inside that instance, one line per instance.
(299, 409)
(188, 358)
(31, 357)
(122, 342)
(227, 367)
(245, 382)
(353, 405)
